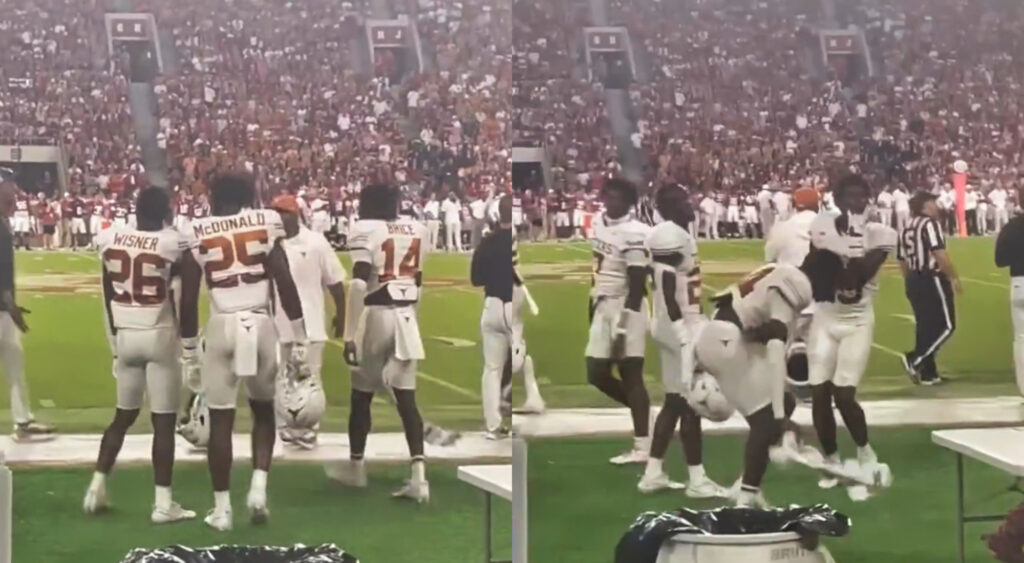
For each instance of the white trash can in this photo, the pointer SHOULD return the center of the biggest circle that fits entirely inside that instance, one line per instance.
(745, 548)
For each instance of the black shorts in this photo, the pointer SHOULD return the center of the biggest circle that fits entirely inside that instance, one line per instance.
(49, 229)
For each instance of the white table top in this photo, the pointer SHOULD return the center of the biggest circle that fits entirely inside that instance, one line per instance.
(999, 447)
(495, 479)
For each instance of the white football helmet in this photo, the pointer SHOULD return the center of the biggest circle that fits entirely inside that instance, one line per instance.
(706, 398)
(196, 429)
(300, 403)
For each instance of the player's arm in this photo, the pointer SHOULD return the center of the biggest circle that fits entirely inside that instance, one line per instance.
(776, 334)
(1008, 244)
(277, 267)
(480, 264)
(191, 278)
(334, 281)
(108, 298)
(636, 258)
(937, 247)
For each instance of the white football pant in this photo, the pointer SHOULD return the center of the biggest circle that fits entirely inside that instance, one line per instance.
(434, 227)
(147, 364)
(239, 346)
(838, 350)
(1017, 311)
(12, 356)
(500, 330)
(453, 232)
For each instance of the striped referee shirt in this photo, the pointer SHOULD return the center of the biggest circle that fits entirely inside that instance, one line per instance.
(918, 240)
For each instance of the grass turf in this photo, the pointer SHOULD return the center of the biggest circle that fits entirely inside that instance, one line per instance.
(69, 363)
(305, 508)
(580, 505)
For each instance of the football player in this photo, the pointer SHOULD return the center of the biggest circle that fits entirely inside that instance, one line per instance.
(618, 318)
(839, 342)
(238, 251)
(677, 320)
(314, 267)
(384, 346)
(744, 348)
(137, 266)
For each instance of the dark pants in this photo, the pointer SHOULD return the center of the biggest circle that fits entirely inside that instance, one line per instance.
(931, 297)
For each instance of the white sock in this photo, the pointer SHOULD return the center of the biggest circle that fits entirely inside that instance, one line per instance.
(866, 454)
(530, 381)
(642, 443)
(655, 467)
(747, 495)
(222, 501)
(697, 473)
(259, 480)
(419, 471)
(832, 458)
(99, 481)
(163, 497)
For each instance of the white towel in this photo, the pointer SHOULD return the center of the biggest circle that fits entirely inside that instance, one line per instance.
(408, 344)
(246, 344)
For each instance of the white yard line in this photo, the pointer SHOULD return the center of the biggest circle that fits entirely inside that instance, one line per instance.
(887, 350)
(460, 390)
(983, 282)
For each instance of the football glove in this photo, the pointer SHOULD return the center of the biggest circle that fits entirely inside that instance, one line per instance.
(351, 357)
(190, 364)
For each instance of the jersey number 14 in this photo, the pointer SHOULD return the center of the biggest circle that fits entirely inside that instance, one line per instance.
(407, 268)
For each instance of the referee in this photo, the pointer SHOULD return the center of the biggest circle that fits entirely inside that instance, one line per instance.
(493, 268)
(930, 280)
(1010, 253)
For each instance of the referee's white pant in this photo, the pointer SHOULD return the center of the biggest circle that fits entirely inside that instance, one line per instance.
(502, 334)
(1017, 313)
(12, 356)
(434, 229)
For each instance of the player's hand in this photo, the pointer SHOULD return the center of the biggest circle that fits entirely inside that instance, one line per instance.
(350, 353)
(18, 316)
(190, 367)
(619, 346)
(958, 287)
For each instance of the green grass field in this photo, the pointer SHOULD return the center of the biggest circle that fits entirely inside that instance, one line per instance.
(580, 505)
(575, 495)
(49, 525)
(69, 363)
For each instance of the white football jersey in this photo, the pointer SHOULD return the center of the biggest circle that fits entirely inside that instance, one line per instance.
(790, 240)
(752, 305)
(232, 250)
(855, 243)
(395, 252)
(617, 244)
(138, 264)
(668, 238)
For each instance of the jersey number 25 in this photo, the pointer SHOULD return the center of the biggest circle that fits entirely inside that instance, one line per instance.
(234, 250)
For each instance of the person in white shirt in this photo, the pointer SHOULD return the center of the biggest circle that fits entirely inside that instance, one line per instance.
(971, 209)
(709, 216)
(764, 207)
(478, 213)
(432, 213)
(884, 203)
(982, 215)
(901, 204)
(946, 201)
(320, 213)
(998, 198)
(314, 267)
(452, 212)
(783, 204)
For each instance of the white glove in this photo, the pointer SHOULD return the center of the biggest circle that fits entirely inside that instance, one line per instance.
(190, 364)
(297, 363)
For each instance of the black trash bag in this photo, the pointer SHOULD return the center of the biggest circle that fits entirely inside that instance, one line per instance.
(641, 543)
(325, 553)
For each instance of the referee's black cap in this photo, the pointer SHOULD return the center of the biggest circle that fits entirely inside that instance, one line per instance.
(918, 200)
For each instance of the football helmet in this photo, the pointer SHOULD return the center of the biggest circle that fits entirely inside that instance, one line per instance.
(300, 403)
(706, 398)
(797, 371)
(196, 427)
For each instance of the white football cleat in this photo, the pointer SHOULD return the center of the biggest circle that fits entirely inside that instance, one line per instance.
(786, 451)
(95, 500)
(173, 513)
(418, 491)
(219, 520)
(752, 501)
(536, 406)
(630, 457)
(257, 503)
(706, 488)
(829, 480)
(348, 472)
(653, 483)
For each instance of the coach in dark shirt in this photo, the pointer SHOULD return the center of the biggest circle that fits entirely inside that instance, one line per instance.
(493, 268)
(930, 281)
(1010, 253)
(12, 324)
